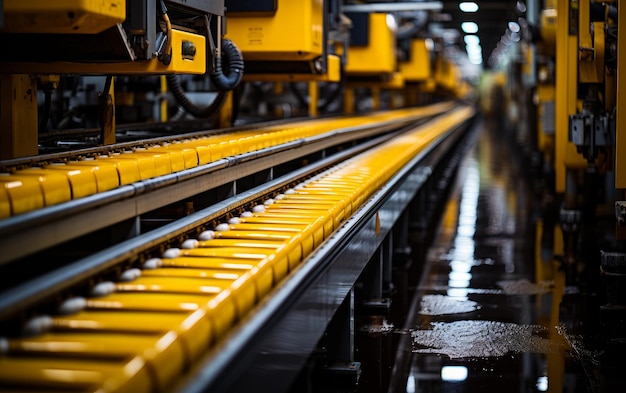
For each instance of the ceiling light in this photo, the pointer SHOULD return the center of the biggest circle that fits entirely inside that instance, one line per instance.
(468, 6)
(469, 27)
(473, 49)
(514, 27)
(471, 40)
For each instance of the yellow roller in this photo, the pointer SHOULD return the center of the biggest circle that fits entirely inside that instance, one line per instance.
(163, 354)
(82, 179)
(150, 162)
(55, 185)
(24, 192)
(193, 295)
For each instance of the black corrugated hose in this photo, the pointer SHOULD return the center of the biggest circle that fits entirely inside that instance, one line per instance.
(234, 67)
(190, 107)
(224, 83)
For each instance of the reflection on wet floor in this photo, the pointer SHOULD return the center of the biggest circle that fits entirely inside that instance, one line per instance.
(485, 334)
(488, 319)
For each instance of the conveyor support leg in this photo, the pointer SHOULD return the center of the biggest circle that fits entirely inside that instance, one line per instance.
(18, 116)
(341, 369)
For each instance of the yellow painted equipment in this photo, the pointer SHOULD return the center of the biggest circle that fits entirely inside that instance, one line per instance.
(105, 172)
(417, 68)
(545, 126)
(379, 56)
(620, 143)
(181, 63)
(446, 74)
(147, 328)
(566, 155)
(294, 32)
(62, 16)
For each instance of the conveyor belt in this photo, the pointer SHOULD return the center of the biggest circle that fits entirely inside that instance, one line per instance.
(80, 174)
(145, 328)
(76, 217)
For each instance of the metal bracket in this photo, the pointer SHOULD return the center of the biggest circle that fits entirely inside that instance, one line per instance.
(620, 212)
(589, 131)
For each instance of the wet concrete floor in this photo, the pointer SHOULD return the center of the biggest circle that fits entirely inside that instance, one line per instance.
(489, 315)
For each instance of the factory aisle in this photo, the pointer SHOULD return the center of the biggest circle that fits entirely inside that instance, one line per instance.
(485, 317)
(483, 320)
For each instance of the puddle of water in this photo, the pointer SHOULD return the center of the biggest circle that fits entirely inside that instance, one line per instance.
(479, 339)
(523, 287)
(478, 291)
(442, 305)
(377, 325)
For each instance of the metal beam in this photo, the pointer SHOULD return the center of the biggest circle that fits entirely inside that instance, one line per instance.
(394, 7)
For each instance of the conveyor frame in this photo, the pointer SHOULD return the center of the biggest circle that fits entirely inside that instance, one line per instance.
(270, 348)
(75, 218)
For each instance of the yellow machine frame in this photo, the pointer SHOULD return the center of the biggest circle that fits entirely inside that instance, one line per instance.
(180, 63)
(63, 16)
(566, 155)
(620, 140)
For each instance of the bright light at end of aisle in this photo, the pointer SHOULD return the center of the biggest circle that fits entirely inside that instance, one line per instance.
(471, 39)
(473, 48)
(468, 6)
(469, 27)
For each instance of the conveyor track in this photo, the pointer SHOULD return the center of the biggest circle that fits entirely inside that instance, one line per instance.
(148, 321)
(72, 194)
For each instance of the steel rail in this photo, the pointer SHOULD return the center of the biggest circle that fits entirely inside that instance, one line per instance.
(74, 218)
(41, 288)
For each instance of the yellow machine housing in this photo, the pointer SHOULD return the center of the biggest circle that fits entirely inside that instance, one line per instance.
(181, 63)
(101, 37)
(379, 56)
(62, 16)
(446, 74)
(294, 32)
(417, 68)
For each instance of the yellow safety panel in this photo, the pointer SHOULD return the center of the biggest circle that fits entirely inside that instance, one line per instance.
(56, 187)
(62, 16)
(379, 57)
(294, 32)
